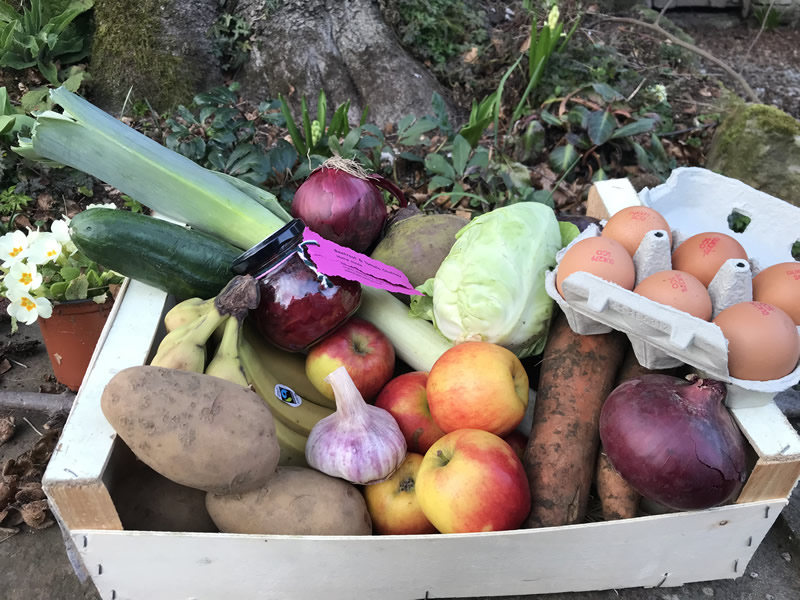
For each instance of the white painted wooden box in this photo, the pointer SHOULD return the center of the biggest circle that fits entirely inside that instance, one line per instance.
(664, 550)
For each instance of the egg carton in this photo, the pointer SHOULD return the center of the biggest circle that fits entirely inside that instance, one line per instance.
(692, 201)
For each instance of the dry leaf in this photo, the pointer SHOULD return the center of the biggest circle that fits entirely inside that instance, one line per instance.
(44, 201)
(30, 492)
(525, 45)
(7, 426)
(5, 367)
(704, 91)
(7, 491)
(34, 514)
(470, 56)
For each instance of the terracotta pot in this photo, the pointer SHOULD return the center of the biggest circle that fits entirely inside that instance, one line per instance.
(70, 336)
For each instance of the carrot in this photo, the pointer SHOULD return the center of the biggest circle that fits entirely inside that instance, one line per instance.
(577, 375)
(619, 500)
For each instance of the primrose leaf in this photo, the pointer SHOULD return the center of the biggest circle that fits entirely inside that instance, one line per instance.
(438, 181)
(600, 124)
(461, 150)
(57, 289)
(438, 165)
(77, 289)
(563, 158)
(640, 126)
(70, 273)
(608, 93)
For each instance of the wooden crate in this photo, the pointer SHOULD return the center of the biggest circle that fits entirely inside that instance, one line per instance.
(663, 550)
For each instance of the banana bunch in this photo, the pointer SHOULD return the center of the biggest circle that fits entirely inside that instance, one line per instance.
(245, 358)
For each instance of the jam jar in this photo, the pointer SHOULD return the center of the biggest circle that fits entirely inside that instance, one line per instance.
(299, 305)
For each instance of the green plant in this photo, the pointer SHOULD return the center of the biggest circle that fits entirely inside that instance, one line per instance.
(37, 38)
(38, 99)
(230, 37)
(39, 268)
(595, 125)
(316, 132)
(12, 202)
(12, 119)
(767, 17)
(218, 135)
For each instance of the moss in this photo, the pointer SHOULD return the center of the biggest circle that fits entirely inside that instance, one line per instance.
(128, 51)
(758, 144)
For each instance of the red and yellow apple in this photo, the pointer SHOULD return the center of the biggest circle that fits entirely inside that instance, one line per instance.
(478, 385)
(405, 398)
(362, 349)
(393, 504)
(471, 480)
(518, 441)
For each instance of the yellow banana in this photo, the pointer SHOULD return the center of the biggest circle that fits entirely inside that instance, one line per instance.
(226, 363)
(290, 367)
(185, 348)
(286, 405)
(186, 312)
(293, 446)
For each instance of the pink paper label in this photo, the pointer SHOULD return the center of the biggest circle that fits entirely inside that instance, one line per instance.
(335, 260)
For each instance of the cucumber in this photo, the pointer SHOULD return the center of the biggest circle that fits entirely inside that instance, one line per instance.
(178, 260)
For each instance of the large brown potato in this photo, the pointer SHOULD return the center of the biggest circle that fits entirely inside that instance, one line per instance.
(296, 501)
(197, 430)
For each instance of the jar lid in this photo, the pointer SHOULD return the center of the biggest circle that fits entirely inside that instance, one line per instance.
(279, 243)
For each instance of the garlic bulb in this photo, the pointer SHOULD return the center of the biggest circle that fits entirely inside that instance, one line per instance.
(359, 443)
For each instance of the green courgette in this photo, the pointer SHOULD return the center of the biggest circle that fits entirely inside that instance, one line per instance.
(178, 260)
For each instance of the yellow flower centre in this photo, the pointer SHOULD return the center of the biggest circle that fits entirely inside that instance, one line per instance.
(15, 251)
(26, 279)
(27, 304)
(51, 253)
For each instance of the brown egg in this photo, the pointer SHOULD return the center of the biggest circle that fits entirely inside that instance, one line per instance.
(599, 256)
(629, 226)
(779, 285)
(703, 254)
(763, 343)
(679, 290)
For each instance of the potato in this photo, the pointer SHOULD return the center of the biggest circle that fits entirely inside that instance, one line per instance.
(297, 501)
(196, 430)
(147, 501)
(418, 245)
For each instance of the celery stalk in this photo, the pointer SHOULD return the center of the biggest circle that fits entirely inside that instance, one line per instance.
(416, 341)
(90, 140)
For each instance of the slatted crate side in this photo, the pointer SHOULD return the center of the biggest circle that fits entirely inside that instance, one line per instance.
(658, 551)
(75, 479)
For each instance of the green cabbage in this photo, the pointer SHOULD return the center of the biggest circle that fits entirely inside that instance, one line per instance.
(490, 287)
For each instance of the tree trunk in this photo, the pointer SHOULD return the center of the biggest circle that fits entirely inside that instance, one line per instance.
(343, 47)
(160, 48)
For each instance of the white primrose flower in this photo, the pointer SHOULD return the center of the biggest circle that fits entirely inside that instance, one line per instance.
(60, 230)
(12, 248)
(25, 308)
(23, 277)
(44, 249)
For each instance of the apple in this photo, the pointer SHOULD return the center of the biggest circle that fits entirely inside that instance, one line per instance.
(362, 349)
(478, 385)
(405, 399)
(471, 480)
(518, 441)
(393, 504)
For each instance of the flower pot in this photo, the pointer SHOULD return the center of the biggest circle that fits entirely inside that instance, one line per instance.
(70, 336)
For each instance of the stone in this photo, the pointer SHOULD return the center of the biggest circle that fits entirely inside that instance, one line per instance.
(760, 146)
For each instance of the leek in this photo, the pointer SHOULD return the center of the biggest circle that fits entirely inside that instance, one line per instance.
(90, 140)
(416, 341)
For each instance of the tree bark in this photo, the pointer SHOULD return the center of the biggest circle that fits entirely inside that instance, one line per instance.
(343, 47)
(159, 48)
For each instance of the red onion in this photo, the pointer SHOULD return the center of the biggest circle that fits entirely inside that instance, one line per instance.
(674, 441)
(343, 204)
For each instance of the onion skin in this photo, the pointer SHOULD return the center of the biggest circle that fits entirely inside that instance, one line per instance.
(340, 207)
(674, 441)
